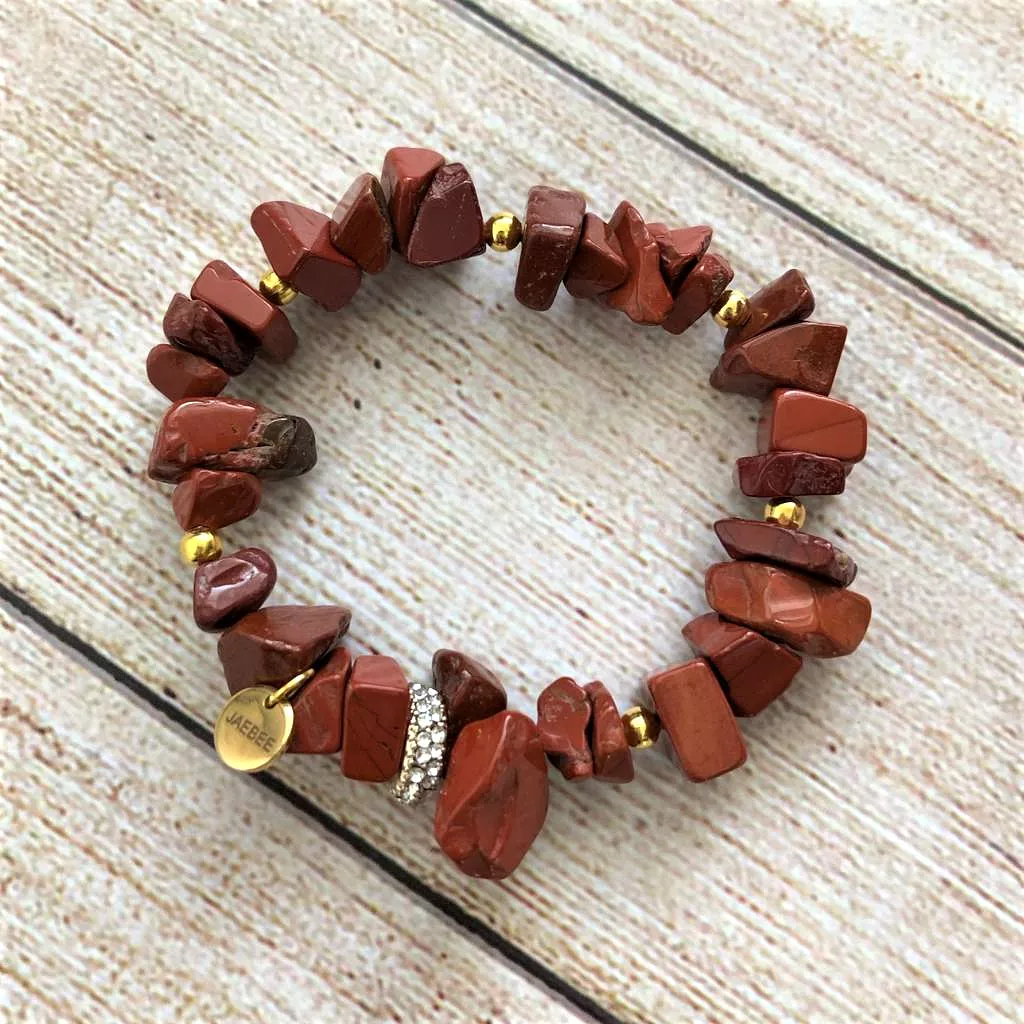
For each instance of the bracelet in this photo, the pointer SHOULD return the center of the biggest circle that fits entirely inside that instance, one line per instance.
(295, 687)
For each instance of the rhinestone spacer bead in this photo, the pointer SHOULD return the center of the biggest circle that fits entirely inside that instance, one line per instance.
(423, 759)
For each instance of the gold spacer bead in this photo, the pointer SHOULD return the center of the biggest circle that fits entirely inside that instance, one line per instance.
(786, 512)
(279, 292)
(642, 726)
(503, 231)
(731, 309)
(198, 546)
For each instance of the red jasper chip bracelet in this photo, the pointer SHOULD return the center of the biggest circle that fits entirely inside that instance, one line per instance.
(294, 687)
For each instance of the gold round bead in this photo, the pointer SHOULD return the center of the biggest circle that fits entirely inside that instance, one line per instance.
(503, 231)
(198, 546)
(279, 292)
(786, 512)
(731, 309)
(642, 727)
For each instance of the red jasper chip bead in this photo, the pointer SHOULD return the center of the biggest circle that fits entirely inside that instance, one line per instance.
(176, 373)
(563, 720)
(449, 225)
(789, 475)
(598, 265)
(230, 588)
(318, 707)
(196, 327)
(697, 293)
(469, 690)
(799, 421)
(209, 499)
(613, 760)
(376, 719)
(786, 300)
(405, 178)
(644, 296)
(361, 226)
(679, 250)
(297, 242)
(551, 232)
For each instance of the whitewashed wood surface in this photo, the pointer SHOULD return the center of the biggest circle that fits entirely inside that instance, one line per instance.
(534, 489)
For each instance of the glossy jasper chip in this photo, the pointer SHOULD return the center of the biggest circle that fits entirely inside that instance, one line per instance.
(613, 760)
(799, 421)
(598, 265)
(376, 719)
(230, 588)
(755, 540)
(405, 178)
(196, 327)
(789, 475)
(695, 714)
(297, 242)
(212, 499)
(697, 294)
(644, 296)
(563, 720)
(786, 300)
(551, 232)
(176, 373)
(449, 225)
(318, 707)
(263, 324)
(804, 356)
(680, 249)
(361, 225)
(810, 615)
(470, 691)
(752, 669)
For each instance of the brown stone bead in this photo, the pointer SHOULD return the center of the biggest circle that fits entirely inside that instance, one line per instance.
(376, 719)
(210, 499)
(449, 225)
(786, 300)
(563, 720)
(752, 669)
(753, 539)
(361, 227)
(789, 475)
(697, 294)
(469, 690)
(598, 265)
(263, 324)
(407, 173)
(551, 232)
(797, 421)
(804, 356)
(176, 373)
(230, 588)
(495, 796)
(230, 434)
(644, 296)
(196, 327)
(696, 715)
(297, 242)
(318, 707)
(680, 249)
(613, 761)
(812, 616)
(274, 644)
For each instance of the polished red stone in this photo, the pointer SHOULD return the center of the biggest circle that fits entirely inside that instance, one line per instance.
(176, 373)
(752, 669)
(407, 174)
(210, 499)
(811, 616)
(361, 227)
(297, 242)
(613, 761)
(318, 707)
(495, 796)
(376, 719)
(695, 714)
(262, 324)
(449, 225)
(797, 421)
(753, 539)
(786, 300)
(230, 434)
(551, 232)
(196, 327)
(598, 265)
(697, 293)
(469, 690)
(563, 720)
(804, 355)
(680, 250)
(789, 475)
(230, 588)
(644, 296)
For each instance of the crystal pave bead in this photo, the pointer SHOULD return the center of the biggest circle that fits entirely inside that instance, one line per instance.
(423, 759)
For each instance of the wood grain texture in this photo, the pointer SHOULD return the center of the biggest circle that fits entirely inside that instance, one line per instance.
(536, 490)
(901, 124)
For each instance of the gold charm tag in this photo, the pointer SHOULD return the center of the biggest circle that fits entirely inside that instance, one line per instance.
(253, 731)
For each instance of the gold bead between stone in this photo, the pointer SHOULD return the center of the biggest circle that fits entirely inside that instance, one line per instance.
(731, 309)
(198, 546)
(786, 512)
(503, 231)
(642, 726)
(279, 292)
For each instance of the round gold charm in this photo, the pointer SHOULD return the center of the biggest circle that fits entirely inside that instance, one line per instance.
(250, 734)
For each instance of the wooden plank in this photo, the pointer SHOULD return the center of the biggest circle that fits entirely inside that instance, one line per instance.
(140, 884)
(534, 489)
(899, 124)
